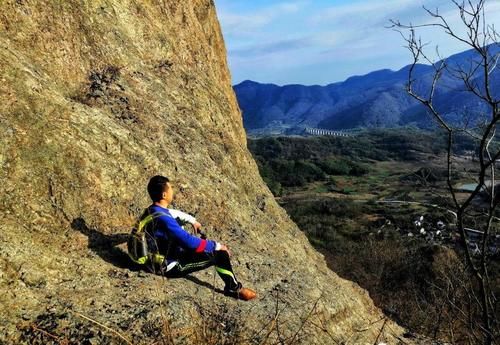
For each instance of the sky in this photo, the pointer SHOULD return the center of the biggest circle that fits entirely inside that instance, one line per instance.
(324, 41)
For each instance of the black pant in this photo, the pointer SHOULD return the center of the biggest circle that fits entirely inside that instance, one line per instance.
(191, 262)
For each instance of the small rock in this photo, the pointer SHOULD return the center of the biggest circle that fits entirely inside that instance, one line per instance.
(92, 341)
(33, 279)
(97, 93)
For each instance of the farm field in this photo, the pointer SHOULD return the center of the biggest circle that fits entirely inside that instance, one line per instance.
(378, 207)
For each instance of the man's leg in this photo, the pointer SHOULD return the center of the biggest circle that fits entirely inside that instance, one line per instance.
(192, 262)
(233, 288)
(225, 271)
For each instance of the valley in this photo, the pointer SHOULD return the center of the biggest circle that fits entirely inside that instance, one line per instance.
(378, 207)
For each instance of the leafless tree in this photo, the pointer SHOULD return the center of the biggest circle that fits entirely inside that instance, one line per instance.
(476, 75)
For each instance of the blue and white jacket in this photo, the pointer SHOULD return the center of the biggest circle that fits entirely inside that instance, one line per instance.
(171, 238)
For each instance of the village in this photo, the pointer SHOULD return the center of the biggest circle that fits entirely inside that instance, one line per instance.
(441, 233)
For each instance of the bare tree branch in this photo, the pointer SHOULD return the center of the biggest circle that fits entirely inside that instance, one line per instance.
(477, 81)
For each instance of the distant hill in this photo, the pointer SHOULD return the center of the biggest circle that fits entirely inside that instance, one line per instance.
(375, 100)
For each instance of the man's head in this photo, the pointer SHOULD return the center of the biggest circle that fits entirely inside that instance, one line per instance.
(159, 189)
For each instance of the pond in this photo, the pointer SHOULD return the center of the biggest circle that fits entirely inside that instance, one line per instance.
(470, 187)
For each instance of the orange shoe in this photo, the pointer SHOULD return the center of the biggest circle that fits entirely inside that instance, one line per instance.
(246, 294)
(242, 293)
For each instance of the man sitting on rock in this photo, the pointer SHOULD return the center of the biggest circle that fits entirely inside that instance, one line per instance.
(181, 252)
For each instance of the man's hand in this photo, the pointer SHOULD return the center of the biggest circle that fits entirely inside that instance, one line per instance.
(197, 230)
(221, 246)
(196, 227)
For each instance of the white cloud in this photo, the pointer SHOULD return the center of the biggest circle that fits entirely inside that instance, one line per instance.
(358, 10)
(268, 48)
(235, 23)
(301, 38)
(436, 37)
(362, 27)
(288, 7)
(241, 24)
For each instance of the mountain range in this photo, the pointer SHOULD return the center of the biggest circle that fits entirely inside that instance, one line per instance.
(377, 99)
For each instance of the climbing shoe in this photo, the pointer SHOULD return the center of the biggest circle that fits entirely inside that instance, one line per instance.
(241, 293)
(246, 294)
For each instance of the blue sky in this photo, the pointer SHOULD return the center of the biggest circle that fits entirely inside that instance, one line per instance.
(324, 41)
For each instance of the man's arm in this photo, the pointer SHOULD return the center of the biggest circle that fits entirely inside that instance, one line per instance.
(182, 216)
(186, 239)
(185, 218)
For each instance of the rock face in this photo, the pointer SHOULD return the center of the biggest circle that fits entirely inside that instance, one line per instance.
(97, 97)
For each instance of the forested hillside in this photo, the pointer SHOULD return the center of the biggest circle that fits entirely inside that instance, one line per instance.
(377, 205)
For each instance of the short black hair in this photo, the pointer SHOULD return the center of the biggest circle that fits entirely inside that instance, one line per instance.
(156, 187)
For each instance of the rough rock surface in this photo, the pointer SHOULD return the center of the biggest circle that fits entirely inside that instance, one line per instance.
(98, 96)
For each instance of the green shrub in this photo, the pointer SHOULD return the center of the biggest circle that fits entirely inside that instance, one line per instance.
(335, 166)
(358, 169)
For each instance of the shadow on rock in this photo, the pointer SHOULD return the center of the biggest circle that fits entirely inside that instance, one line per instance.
(202, 283)
(105, 245)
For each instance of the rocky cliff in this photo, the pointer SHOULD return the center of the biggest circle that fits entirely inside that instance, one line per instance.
(97, 97)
